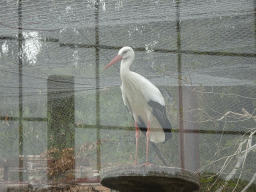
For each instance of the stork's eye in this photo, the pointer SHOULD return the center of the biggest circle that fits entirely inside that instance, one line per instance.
(124, 52)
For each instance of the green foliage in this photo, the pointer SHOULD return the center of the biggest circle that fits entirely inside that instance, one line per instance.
(206, 180)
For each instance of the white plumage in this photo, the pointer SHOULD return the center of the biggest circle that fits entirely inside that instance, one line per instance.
(143, 100)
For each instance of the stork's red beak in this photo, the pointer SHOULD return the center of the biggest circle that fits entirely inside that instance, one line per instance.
(116, 59)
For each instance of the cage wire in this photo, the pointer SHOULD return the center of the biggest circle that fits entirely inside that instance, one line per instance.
(207, 48)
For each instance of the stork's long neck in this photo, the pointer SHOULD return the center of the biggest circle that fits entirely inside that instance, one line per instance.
(125, 67)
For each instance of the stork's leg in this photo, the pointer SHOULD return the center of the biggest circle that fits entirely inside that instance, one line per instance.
(137, 141)
(147, 135)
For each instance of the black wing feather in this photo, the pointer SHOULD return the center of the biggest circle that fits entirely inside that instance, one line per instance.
(159, 111)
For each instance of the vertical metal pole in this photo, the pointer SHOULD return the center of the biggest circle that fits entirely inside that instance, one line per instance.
(191, 139)
(254, 3)
(180, 94)
(6, 170)
(20, 52)
(97, 83)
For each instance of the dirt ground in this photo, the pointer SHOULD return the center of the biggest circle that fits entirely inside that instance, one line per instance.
(92, 187)
(81, 188)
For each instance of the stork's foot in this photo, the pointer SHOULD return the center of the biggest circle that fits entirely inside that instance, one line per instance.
(147, 164)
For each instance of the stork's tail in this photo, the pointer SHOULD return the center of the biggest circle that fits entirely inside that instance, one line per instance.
(168, 130)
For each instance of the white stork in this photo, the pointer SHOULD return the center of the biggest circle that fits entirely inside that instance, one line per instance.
(144, 101)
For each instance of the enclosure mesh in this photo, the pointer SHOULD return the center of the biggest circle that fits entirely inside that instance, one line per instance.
(213, 41)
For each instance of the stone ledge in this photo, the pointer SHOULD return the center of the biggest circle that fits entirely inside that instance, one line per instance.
(149, 178)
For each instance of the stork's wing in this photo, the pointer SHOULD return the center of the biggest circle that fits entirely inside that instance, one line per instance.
(159, 111)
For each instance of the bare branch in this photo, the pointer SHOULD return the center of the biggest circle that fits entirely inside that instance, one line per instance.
(249, 184)
(246, 115)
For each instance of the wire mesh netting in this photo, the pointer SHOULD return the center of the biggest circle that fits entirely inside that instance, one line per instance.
(63, 117)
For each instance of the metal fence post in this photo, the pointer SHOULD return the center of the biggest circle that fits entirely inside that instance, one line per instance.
(191, 135)
(20, 55)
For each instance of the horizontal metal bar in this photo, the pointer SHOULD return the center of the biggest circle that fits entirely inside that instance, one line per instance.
(215, 53)
(174, 130)
(129, 128)
(71, 45)
(7, 118)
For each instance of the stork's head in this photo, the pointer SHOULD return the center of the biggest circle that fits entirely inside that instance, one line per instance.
(126, 53)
